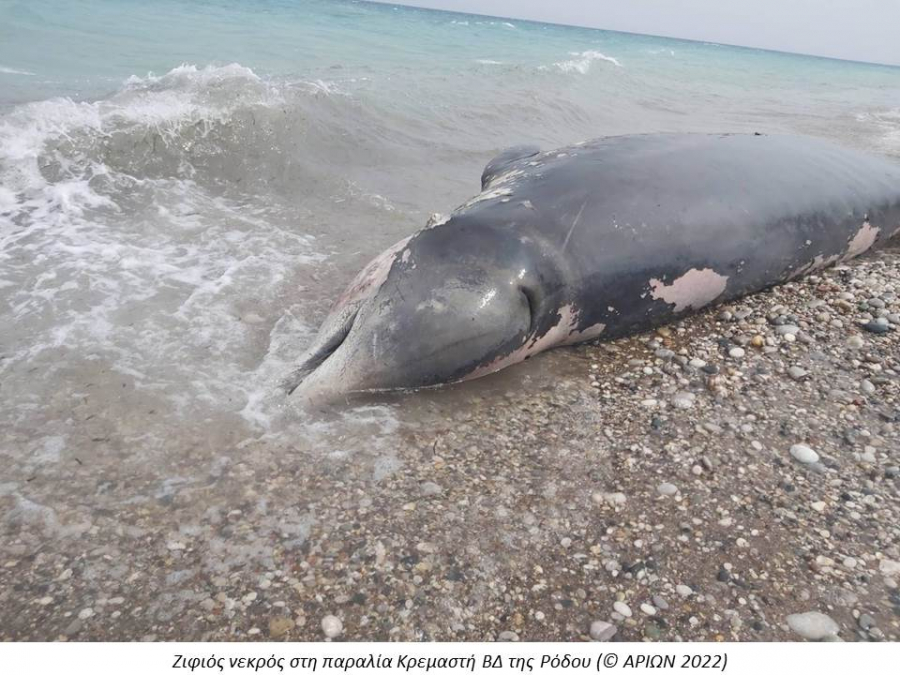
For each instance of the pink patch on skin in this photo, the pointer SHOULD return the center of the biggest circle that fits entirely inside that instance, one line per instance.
(589, 333)
(863, 240)
(692, 290)
(563, 333)
(373, 275)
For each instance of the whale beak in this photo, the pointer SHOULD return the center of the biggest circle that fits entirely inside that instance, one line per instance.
(323, 375)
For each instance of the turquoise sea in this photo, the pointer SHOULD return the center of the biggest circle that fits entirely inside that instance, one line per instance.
(185, 186)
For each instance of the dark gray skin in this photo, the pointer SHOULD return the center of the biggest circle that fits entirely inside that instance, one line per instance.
(598, 240)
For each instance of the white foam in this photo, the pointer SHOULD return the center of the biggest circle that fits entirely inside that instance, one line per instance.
(143, 276)
(888, 122)
(13, 71)
(583, 60)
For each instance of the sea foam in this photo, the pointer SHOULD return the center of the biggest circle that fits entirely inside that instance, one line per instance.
(581, 63)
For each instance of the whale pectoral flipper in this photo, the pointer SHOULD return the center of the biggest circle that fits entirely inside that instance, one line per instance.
(504, 160)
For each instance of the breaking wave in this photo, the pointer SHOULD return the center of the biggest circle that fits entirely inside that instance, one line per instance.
(583, 60)
(136, 238)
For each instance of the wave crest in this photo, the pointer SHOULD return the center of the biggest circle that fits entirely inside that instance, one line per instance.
(582, 63)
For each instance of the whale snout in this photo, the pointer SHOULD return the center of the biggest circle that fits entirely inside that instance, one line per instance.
(413, 334)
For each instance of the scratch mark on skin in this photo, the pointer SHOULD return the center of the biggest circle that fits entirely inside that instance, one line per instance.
(692, 290)
(574, 225)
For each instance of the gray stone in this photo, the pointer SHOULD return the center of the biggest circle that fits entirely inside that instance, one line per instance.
(804, 454)
(813, 625)
(332, 626)
(601, 631)
(667, 489)
(622, 609)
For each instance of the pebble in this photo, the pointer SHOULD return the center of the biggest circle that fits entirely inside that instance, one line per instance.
(508, 636)
(430, 489)
(683, 400)
(601, 631)
(280, 625)
(787, 329)
(804, 454)
(797, 373)
(813, 625)
(648, 609)
(736, 353)
(868, 387)
(86, 613)
(622, 609)
(611, 498)
(876, 327)
(332, 626)
(667, 489)
(684, 591)
(889, 568)
(660, 602)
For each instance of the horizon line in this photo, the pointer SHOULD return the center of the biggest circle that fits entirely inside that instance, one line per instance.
(877, 64)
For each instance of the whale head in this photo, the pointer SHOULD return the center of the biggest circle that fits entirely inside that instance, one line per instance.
(452, 302)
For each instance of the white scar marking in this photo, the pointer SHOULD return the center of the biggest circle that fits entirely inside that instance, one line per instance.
(694, 289)
(863, 240)
(574, 225)
(373, 275)
(487, 195)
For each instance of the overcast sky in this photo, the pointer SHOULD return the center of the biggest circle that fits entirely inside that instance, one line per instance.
(862, 30)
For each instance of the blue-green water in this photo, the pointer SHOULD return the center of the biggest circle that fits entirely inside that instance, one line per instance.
(184, 186)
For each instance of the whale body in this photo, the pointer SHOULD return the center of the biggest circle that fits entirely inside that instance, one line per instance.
(598, 240)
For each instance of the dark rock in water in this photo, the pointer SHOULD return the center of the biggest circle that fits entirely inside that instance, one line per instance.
(877, 328)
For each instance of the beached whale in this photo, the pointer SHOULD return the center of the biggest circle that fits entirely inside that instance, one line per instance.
(598, 240)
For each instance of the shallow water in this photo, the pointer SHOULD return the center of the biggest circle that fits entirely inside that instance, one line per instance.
(185, 187)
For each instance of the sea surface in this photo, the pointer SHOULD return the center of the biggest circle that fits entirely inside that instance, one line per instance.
(186, 186)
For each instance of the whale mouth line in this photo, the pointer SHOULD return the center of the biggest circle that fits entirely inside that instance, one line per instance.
(319, 356)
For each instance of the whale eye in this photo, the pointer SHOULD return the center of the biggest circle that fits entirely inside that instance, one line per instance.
(531, 299)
